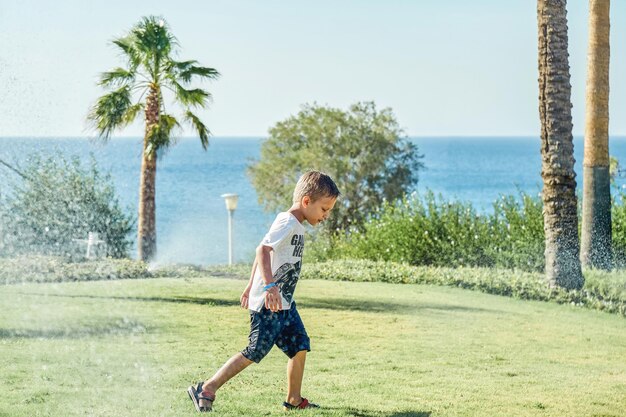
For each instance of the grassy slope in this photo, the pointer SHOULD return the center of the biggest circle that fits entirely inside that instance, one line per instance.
(130, 348)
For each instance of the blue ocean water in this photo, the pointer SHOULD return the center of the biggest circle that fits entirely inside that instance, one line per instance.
(191, 215)
(479, 169)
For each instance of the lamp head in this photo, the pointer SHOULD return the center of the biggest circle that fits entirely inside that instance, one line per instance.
(231, 201)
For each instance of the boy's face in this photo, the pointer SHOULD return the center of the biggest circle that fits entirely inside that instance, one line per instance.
(317, 211)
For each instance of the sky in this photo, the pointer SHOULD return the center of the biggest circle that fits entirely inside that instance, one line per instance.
(445, 67)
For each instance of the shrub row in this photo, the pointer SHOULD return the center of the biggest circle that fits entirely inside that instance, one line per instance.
(22, 269)
(41, 269)
(428, 230)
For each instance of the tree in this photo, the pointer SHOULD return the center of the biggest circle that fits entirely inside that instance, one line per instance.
(57, 201)
(596, 248)
(148, 49)
(557, 148)
(362, 149)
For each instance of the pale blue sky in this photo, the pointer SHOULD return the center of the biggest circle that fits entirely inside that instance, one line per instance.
(446, 67)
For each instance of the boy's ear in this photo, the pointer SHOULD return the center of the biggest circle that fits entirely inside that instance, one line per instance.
(306, 200)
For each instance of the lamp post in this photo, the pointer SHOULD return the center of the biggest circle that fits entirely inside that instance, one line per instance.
(231, 205)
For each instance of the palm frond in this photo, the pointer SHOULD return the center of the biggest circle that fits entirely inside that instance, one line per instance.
(128, 46)
(153, 39)
(182, 65)
(200, 127)
(195, 97)
(117, 77)
(160, 135)
(186, 70)
(132, 112)
(109, 112)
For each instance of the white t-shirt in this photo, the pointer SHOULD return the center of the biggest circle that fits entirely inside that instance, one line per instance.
(286, 238)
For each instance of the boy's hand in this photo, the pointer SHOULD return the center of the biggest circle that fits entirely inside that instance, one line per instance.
(245, 298)
(273, 300)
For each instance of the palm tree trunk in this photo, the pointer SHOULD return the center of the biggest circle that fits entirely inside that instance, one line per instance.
(147, 213)
(146, 235)
(596, 250)
(557, 148)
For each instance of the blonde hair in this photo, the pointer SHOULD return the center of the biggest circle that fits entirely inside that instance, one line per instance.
(316, 185)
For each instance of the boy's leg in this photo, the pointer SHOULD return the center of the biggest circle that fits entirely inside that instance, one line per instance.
(204, 396)
(263, 331)
(231, 368)
(295, 343)
(295, 372)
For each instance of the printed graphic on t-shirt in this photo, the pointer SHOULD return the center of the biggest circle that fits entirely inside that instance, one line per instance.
(297, 241)
(286, 278)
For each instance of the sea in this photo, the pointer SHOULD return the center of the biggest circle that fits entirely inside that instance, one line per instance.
(192, 220)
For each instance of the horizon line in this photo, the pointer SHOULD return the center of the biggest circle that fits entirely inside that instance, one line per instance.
(478, 136)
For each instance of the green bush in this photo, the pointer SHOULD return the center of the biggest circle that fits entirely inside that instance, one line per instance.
(517, 233)
(618, 219)
(362, 148)
(58, 201)
(427, 230)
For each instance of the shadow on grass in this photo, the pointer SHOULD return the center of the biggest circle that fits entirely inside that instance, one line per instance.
(381, 306)
(306, 302)
(188, 300)
(366, 413)
(120, 327)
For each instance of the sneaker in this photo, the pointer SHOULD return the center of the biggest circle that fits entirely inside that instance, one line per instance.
(303, 405)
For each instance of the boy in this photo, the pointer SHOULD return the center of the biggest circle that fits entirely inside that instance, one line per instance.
(269, 294)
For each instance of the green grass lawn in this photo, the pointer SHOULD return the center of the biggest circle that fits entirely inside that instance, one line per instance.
(131, 348)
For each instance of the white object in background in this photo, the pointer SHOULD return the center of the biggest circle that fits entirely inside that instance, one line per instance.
(92, 240)
(231, 205)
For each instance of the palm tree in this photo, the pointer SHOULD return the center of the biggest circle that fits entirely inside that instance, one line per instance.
(557, 148)
(148, 49)
(596, 248)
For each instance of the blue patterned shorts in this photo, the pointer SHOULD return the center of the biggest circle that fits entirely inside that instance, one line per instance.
(283, 329)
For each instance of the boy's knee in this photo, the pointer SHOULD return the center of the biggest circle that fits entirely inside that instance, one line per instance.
(255, 353)
(299, 355)
(302, 344)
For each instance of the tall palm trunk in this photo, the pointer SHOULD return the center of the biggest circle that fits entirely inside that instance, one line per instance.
(557, 148)
(146, 236)
(596, 222)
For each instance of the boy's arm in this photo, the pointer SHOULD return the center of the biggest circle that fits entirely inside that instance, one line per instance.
(273, 299)
(245, 296)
